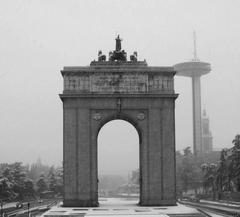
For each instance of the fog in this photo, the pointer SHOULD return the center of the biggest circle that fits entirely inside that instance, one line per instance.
(118, 148)
(39, 37)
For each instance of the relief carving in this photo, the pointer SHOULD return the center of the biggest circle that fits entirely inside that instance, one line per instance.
(140, 116)
(97, 116)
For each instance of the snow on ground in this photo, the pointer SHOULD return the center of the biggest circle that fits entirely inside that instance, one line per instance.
(231, 204)
(7, 205)
(124, 207)
(213, 215)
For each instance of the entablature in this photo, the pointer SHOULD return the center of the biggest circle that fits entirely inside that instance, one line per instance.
(121, 79)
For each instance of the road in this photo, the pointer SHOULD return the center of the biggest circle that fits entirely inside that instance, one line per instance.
(215, 209)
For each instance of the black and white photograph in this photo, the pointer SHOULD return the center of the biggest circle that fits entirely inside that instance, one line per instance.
(119, 108)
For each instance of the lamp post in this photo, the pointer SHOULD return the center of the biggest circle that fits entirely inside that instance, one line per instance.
(1, 208)
(28, 207)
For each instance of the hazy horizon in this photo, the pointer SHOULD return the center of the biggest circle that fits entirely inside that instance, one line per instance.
(39, 38)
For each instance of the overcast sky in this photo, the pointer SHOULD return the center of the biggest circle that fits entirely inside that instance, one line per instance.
(38, 38)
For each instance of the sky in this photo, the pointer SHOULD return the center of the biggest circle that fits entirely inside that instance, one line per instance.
(38, 38)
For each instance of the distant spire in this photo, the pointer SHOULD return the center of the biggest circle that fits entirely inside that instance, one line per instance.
(195, 58)
(204, 113)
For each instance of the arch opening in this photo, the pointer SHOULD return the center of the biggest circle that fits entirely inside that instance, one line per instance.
(118, 159)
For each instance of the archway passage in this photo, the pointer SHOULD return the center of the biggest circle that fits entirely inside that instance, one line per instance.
(155, 127)
(118, 160)
(131, 91)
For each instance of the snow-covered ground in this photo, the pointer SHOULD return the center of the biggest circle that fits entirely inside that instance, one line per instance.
(231, 204)
(7, 205)
(213, 214)
(124, 207)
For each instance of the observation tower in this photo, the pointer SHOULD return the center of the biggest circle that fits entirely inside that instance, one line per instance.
(195, 69)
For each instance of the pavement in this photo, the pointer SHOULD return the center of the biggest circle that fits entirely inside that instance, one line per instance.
(123, 207)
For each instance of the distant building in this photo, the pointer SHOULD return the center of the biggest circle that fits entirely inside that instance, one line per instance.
(207, 138)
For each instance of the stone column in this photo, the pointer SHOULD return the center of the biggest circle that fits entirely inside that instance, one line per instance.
(78, 157)
(160, 156)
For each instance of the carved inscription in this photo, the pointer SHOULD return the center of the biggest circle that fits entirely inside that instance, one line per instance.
(79, 83)
(158, 83)
(112, 83)
(118, 83)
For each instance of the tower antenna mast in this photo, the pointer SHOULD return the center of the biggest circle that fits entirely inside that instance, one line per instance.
(195, 58)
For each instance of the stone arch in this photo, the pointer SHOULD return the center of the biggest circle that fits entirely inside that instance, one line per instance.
(123, 117)
(140, 124)
(132, 91)
(137, 146)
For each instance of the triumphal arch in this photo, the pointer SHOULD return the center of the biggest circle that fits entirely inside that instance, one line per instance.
(130, 90)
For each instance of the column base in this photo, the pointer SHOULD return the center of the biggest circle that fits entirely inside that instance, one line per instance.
(158, 203)
(80, 203)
